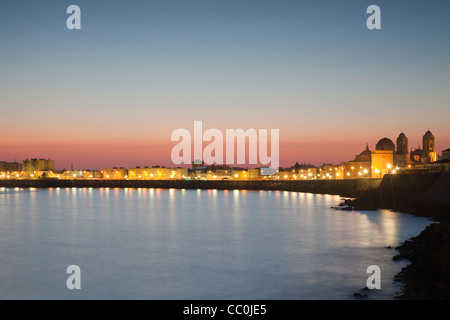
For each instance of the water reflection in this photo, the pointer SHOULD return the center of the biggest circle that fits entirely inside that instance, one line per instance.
(193, 244)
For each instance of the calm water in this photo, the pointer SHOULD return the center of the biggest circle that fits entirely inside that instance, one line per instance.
(193, 244)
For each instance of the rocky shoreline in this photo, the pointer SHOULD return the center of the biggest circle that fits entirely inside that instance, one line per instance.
(427, 277)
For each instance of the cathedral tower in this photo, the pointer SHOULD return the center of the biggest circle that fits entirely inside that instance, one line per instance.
(401, 158)
(402, 144)
(428, 150)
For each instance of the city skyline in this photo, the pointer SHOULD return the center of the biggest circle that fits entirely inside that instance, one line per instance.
(409, 154)
(111, 93)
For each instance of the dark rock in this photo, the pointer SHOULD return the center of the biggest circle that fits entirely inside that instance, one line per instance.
(427, 277)
(359, 295)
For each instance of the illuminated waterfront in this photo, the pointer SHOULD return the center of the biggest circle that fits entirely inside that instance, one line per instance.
(193, 244)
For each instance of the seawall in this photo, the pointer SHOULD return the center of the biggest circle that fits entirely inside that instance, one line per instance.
(351, 188)
(420, 194)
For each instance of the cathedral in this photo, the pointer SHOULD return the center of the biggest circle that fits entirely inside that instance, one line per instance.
(425, 155)
(388, 158)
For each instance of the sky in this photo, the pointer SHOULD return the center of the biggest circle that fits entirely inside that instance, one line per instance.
(112, 93)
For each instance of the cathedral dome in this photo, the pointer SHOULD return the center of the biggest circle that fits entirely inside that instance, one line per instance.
(385, 144)
(366, 152)
(416, 155)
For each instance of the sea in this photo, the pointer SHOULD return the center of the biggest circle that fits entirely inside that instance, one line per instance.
(180, 244)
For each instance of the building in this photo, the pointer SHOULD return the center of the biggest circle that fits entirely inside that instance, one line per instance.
(115, 173)
(310, 173)
(239, 174)
(213, 172)
(416, 155)
(427, 153)
(445, 155)
(10, 166)
(360, 167)
(10, 170)
(428, 148)
(390, 158)
(254, 174)
(328, 171)
(139, 173)
(286, 174)
(157, 173)
(382, 158)
(402, 157)
(179, 173)
(94, 174)
(441, 165)
(364, 156)
(36, 165)
(298, 167)
(71, 174)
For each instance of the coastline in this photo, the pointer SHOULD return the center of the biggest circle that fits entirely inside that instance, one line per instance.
(350, 188)
(427, 276)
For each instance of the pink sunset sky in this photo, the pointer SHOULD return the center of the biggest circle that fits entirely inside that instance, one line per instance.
(137, 145)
